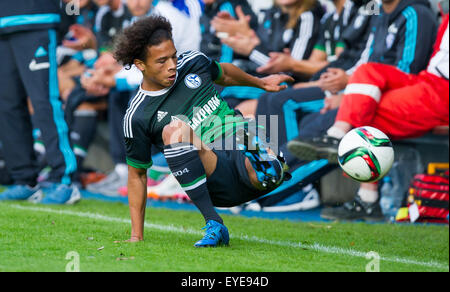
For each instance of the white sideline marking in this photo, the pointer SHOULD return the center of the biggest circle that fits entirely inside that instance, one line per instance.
(170, 228)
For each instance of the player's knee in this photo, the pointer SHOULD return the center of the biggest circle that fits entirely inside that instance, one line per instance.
(176, 132)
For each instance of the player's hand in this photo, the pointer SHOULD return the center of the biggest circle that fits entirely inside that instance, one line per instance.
(92, 88)
(331, 102)
(334, 80)
(223, 22)
(272, 83)
(84, 38)
(279, 62)
(105, 76)
(242, 44)
(105, 60)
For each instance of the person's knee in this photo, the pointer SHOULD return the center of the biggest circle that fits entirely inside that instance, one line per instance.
(176, 132)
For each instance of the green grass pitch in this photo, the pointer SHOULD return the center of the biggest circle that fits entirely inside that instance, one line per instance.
(42, 238)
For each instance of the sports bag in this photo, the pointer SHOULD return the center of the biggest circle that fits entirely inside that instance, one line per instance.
(428, 199)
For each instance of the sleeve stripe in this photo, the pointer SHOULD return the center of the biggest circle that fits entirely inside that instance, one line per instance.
(259, 58)
(305, 34)
(365, 55)
(189, 57)
(227, 7)
(347, 10)
(129, 115)
(409, 50)
(185, 56)
(195, 8)
(227, 52)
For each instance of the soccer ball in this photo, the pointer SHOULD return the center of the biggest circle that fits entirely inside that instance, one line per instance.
(366, 154)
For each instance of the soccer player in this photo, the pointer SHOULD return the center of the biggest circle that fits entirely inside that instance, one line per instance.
(178, 110)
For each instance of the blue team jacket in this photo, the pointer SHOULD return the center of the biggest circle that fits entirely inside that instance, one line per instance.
(405, 37)
(29, 15)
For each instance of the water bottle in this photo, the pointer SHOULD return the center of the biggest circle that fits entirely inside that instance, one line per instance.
(400, 186)
(393, 191)
(387, 198)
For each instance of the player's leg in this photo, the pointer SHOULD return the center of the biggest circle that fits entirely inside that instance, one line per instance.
(402, 112)
(410, 111)
(365, 90)
(192, 162)
(82, 134)
(359, 106)
(35, 54)
(117, 106)
(16, 128)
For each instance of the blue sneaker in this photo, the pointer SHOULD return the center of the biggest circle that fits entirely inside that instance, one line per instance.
(62, 194)
(216, 235)
(22, 193)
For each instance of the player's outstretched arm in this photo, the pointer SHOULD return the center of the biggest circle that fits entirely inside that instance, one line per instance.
(233, 76)
(137, 199)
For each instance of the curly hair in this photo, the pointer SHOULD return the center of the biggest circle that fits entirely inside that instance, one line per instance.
(134, 41)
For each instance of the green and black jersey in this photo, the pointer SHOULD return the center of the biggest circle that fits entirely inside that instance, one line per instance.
(192, 99)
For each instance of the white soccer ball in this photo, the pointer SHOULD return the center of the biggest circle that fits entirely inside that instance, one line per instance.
(366, 154)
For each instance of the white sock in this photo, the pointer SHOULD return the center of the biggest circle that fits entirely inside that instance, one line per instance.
(121, 170)
(368, 196)
(336, 132)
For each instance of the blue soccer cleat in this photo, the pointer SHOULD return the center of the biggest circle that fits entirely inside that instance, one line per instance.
(216, 235)
(22, 193)
(60, 194)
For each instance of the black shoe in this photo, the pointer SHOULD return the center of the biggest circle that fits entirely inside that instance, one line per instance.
(355, 210)
(309, 149)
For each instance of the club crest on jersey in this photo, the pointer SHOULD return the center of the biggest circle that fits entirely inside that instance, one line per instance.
(193, 81)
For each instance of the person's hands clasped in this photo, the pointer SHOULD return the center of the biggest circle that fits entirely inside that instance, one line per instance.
(90, 83)
(279, 62)
(106, 60)
(334, 80)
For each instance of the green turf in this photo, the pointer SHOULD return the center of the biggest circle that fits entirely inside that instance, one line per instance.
(35, 238)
